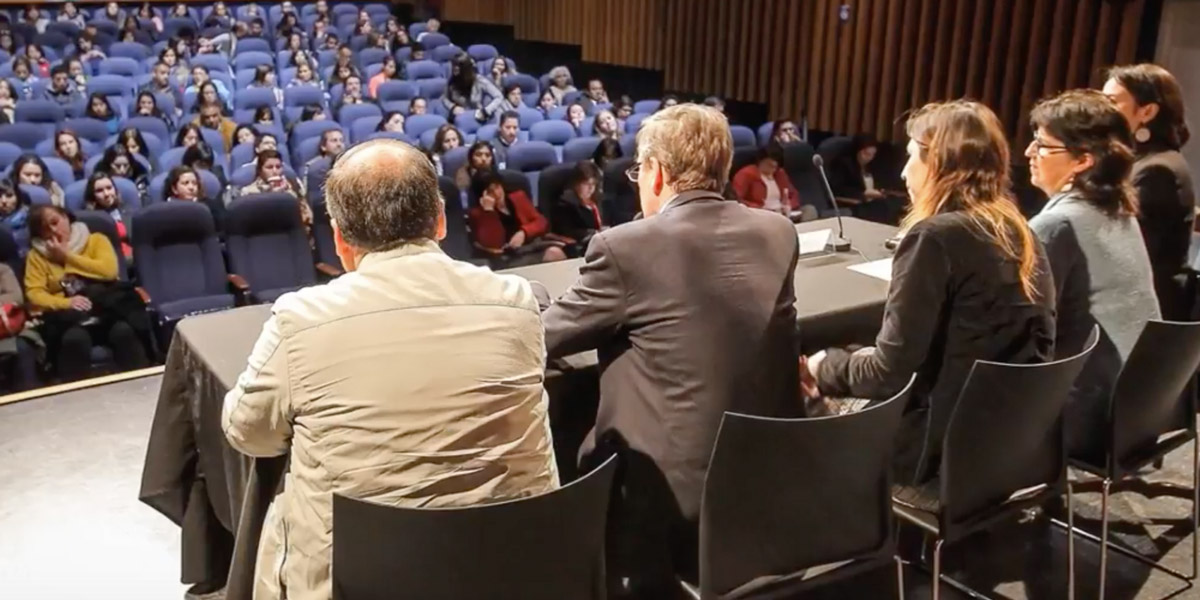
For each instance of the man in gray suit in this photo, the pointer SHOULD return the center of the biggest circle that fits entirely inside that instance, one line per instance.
(691, 309)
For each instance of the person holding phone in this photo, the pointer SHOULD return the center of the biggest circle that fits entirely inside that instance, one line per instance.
(270, 179)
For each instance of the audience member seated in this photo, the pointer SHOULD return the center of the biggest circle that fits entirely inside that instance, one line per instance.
(607, 150)
(264, 116)
(183, 185)
(100, 109)
(160, 83)
(850, 175)
(332, 143)
(68, 148)
(210, 116)
(418, 52)
(20, 344)
(764, 184)
(305, 76)
(71, 279)
(506, 136)
(447, 138)
(577, 214)
(14, 211)
(506, 227)
(270, 178)
(604, 126)
(480, 157)
(715, 102)
(145, 106)
(1151, 100)
(546, 103)
(560, 83)
(87, 50)
(785, 131)
(188, 135)
(23, 78)
(466, 91)
(180, 74)
(37, 61)
(341, 73)
(133, 141)
(101, 194)
(392, 122)
(675, 350)
(418, 106)
(1081, 157)
(118, 161)
(576, 114)
(968, 264)
(623, 109)
(388, 72)
(499, 71)
(431, 26)
(352, 93)
(34, 18)
(264, 78)
(200, 158)
(512, 99)
(594, 94)
(69, 13)
(30, 170)
(353, 428)
(77, 74)
(61, 89)
(244, 134)
(8, 101)
(200, 77)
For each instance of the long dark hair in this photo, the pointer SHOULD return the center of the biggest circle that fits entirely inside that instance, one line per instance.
(183, 131)
(8, 187)
(136, 135)
(89, 192)
(1089, 123)
(136, 170)
(463, 77)
(91, 112)
(173, 180)
(25, 159)
(1152, 84)
(80, 158)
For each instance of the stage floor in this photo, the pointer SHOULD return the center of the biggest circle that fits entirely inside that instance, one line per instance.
(71, 526)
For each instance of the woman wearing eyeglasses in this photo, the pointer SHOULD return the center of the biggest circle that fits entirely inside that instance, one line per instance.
(1151, 101)
(1081, 157)
(969, 282)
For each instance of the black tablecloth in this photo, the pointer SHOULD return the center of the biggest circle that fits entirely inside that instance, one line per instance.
(219, 497)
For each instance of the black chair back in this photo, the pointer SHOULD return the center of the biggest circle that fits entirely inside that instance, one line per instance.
(552, 183)
(1005, 435)
(1149, 399)
(10, 253)
(548, 547)
(785, 495)
(99, 222)
(266, 242)
(797, 161)
(620, 194)
(457, 244)
(322, 231)
(743, 156)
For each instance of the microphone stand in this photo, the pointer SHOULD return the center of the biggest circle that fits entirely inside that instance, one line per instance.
(838, 243)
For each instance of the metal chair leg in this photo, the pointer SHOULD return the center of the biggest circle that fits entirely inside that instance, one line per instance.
(1070, 542)
(899, 578)
(937, 569)
(1107, 484)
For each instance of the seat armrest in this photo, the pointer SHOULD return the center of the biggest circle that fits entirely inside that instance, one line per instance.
(328, 270)
(849, 201)
(143, 294)
(241, 289)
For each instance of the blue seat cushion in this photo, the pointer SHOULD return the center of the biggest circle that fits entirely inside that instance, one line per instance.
(178, 309)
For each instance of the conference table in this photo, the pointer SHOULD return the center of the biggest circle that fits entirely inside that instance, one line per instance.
(219, 497)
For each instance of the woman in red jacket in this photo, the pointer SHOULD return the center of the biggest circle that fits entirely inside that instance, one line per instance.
(765, 184)
(507, 228)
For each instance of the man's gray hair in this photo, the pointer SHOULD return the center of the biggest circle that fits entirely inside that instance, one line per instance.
(383, 193)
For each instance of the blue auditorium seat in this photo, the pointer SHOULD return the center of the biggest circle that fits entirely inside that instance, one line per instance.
(530, 158)
(267, 245)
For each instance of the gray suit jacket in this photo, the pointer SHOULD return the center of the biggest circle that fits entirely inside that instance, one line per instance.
(693, 314)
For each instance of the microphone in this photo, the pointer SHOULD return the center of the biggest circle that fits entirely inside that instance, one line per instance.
(838, 243)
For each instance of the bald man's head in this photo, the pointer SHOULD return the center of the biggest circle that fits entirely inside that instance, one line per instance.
(383, 193)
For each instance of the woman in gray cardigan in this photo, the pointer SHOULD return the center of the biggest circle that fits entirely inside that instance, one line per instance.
(1082, 156)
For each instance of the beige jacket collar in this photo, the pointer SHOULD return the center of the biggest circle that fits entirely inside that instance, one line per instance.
(408, 249)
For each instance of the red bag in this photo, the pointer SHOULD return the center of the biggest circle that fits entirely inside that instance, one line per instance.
(12, 320)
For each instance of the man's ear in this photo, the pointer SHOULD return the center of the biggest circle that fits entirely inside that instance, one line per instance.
(441, 223)
(344, 250)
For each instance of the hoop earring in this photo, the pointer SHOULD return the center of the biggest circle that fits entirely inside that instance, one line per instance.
(1142, 135)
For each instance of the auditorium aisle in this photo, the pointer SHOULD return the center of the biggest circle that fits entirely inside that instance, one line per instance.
(71, 526)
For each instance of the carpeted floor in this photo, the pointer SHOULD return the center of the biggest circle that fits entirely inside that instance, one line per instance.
(71, 525)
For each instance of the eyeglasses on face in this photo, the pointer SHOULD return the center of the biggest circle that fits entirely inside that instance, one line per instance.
(633, 172)
(1043, 149)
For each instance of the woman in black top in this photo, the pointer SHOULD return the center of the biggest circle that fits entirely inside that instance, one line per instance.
(577, 215)
(1150, 99)
(969, 282)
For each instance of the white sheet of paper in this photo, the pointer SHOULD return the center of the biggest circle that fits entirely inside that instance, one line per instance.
(879, 269)
(813, 241)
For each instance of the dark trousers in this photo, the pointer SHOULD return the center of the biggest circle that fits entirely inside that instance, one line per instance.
(21, 368)
(73, 355)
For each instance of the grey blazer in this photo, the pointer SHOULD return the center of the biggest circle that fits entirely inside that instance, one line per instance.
(692, 311)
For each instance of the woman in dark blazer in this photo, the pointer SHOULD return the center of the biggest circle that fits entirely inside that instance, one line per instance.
(969, 282)
(577, 214)
(1150, 99)
(850, 174)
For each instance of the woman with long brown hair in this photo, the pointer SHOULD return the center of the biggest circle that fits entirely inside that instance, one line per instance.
(1151, 101)
(969, 282)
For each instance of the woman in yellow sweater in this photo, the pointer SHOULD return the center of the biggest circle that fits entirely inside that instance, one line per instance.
(65, 265)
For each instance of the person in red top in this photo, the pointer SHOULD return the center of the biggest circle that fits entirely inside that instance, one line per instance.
(765, 185)
(507, 228)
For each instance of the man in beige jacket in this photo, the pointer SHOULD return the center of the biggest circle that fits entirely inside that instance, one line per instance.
(413, 380)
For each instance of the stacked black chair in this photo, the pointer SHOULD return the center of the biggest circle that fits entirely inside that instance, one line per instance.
(793, 504)
(476, 552)
(1004, 452)
(1152, 413)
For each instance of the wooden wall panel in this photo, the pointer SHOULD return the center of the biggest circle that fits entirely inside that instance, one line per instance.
(859, 74)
